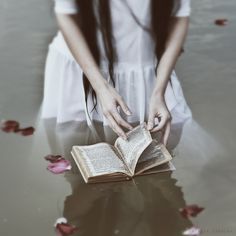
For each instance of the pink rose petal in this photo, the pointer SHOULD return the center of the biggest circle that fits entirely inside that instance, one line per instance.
(63, 228)
(53, 158)
(59, 167)
(191, 210)
(193, 231)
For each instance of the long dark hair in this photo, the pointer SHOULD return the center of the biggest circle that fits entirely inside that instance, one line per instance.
(160, 11)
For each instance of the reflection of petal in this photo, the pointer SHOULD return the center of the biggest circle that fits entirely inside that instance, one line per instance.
(53, 158)
(63, 228)
(59, 167)
(191, 210)
(221, 22)
(192, 231)
(10, 126)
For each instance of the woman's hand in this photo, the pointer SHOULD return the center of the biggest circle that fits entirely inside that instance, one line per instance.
(110, 100)
(159, 110)
(176, 37)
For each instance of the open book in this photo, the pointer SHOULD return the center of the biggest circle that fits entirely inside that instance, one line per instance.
(138, 155)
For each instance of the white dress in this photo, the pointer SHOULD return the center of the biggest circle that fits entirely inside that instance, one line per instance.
(134, 74)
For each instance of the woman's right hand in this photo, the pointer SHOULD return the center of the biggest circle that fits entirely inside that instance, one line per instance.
(110, 100)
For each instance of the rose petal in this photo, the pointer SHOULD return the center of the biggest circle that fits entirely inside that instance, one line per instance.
(66, 229)
(221, 22)
(192, 231)
(190, 210)
(59, 167)
(14, 126)
(53, 158)
(26, 131)
(63, 228)
(10, 126)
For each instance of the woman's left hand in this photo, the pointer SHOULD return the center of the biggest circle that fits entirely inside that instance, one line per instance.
(159, 110)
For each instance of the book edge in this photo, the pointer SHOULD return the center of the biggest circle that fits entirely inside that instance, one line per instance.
(80, 168)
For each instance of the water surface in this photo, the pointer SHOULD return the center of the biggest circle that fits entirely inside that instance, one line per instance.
(32, 198)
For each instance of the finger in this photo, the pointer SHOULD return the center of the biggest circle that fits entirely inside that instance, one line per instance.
(121, 121)
(123, 106)
(150, 121)
(161, 125)
(116, 127)
(166, 133)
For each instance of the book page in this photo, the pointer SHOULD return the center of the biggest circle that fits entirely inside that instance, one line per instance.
(154, 155)
(131, 149)
(155, 150)
(99, 159)
(158, 169)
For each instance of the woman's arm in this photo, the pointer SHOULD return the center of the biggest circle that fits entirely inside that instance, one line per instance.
(108, 96)
(158, 108)
(79, 48)
(174, 45)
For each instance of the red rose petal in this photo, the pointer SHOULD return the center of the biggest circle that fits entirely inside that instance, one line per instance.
(66, 229)
(191, 210)
(59, 167)
(14, 126)
(10, 126)
(26, 131)
(53, 158)
(221, 22)
(63, 228)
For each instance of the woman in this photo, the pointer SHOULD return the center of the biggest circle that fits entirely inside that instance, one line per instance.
(112, 61)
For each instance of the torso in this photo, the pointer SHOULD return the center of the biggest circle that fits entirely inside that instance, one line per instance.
(133, 44)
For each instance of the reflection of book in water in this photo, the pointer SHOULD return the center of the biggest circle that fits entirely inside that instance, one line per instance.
(138, 155)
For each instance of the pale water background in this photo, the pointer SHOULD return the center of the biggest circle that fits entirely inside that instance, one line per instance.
(32, 198)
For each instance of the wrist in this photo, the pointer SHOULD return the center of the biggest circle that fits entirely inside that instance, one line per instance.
(160, 86)
(159, 93)
(99, 84)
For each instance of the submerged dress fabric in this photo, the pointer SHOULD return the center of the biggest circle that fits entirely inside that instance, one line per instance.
(134, 73)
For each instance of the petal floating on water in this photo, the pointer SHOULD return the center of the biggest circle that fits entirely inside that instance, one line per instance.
(26, 131)
(191, 210)
(193, 231)
(10, 126)
(59, 167)
(53, 158)
(221, 22)
(63, 228)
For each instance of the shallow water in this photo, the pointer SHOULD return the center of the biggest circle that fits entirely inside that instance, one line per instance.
(32, 198)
